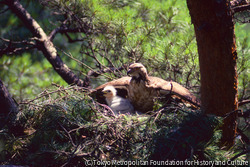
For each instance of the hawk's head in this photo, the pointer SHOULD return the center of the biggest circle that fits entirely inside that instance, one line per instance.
(138, 72)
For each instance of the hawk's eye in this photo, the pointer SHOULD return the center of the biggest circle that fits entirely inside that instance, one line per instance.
(108, 91)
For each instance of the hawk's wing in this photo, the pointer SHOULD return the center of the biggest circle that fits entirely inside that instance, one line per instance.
(120, 85)
(167, 87)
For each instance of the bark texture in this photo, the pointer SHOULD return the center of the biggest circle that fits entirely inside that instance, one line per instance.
(8, 107)
(214, 30)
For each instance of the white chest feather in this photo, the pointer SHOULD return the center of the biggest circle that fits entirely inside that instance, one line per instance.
(120, 105)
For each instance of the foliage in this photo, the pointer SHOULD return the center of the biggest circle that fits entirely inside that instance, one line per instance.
(26, 77)
(112, 34)
(243, 63)
(65, 127)
(118, 33)
(68, 127)
(189, 138)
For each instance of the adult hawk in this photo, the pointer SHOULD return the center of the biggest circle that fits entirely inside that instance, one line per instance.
(142, 90)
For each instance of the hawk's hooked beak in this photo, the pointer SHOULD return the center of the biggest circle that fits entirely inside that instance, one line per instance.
(105, 91)
(129, 72)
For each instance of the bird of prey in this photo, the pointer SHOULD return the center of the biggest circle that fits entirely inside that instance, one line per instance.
(142, 90)
(118, 104)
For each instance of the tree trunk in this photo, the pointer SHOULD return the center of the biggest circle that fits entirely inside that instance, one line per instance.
(8, 107)
(214, 30)
(44, 44)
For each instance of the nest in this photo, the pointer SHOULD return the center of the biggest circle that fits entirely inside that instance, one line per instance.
(68, 128)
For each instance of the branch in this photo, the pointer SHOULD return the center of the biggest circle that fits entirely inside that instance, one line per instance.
(64, 30)
(106, 70)
(70, 40)
(239, 5)
(44, 44)
(243, 102)
(48, 93)
(241, 8)
(4, 10)
(15, 47)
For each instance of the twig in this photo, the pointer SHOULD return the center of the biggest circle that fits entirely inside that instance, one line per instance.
(48, 93)
(243, 102)
(4, 10)
(241, 8)
(65, 30)
(10, 49)
(107, 107)
(70, 56)
(70, 138)
(240, 154)
(106, 70)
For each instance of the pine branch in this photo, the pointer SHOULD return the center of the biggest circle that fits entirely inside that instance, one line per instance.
(241, 8)
(65, 30)
(243, 102)
(15, 47)
(44, 44)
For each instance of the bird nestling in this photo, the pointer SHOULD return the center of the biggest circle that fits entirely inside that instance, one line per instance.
(118, 104)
